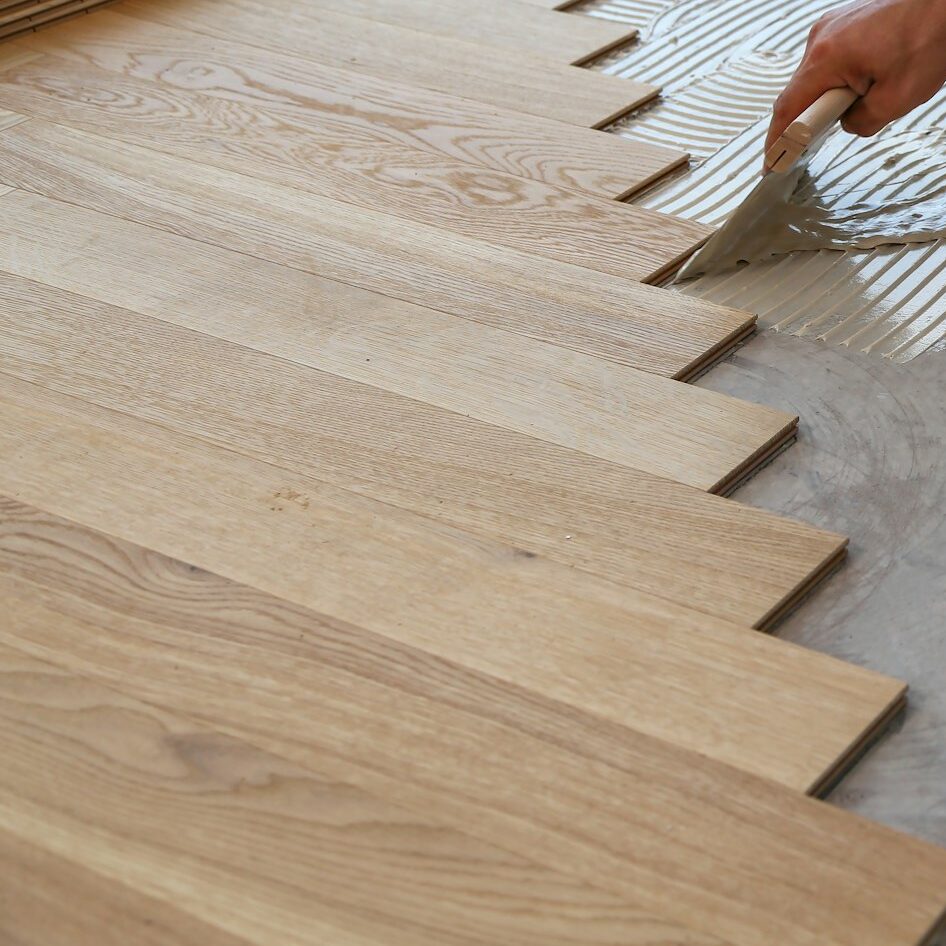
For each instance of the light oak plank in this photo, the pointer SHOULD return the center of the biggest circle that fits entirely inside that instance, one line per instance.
(521, 83)
(829, 705)
(617, 321)
(655, 425)
(714, 556)
(418, 264)
(506, 24)
(672, 832)
(486, 605)
(497, 208)
(50, 899)
(358, 109)
(13, 53)
(261, 848)
(9, 119)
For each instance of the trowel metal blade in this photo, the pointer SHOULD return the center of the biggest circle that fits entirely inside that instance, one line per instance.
(773, 189)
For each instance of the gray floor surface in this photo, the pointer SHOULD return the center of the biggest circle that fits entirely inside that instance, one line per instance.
(869, 463)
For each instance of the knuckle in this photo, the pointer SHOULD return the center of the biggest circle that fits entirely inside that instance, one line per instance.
(824, 47)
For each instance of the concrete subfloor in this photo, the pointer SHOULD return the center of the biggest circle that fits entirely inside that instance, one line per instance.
(869, 463)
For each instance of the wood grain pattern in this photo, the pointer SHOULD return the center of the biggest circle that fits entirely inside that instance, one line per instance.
(717, 851)
(715, 556)
(13, 53)
(9, 119)
(150, 587)
(485, 605)
(521, 83)
(507, 24)
(491, 206)
(652, 424)
(356, 109)
(395, 257)
(263, 851)
(51, 899)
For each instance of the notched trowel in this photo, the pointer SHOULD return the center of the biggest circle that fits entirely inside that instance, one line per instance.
(785, 161)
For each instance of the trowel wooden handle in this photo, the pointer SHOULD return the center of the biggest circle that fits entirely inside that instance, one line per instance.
(813, 122)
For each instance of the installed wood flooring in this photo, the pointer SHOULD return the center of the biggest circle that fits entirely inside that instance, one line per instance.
(364, 574)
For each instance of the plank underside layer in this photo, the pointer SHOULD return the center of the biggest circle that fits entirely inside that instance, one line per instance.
(362, 571)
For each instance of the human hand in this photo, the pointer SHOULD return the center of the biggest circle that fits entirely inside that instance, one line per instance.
(892, 53)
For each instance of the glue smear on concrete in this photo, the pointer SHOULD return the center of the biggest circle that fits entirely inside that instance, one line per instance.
(862, 254)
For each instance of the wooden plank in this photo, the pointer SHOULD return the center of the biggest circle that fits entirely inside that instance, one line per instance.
(615, 652)
(13, 53)
(832, 701)
(521, 83)
(661, 427)
(9, 119)
(715, 556)
(497, 208)
(359, 109)
(262, 851)
(672, 833)
(418, 264)
(53, 899)
(51, 241)
(25, 11)
(21, 26)
(507, 24)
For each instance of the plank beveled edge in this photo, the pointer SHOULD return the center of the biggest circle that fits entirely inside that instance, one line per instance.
(32, 24)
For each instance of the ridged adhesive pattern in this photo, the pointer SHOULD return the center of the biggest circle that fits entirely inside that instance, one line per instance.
(721, 63)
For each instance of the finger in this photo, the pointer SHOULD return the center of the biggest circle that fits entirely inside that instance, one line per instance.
(883, 104)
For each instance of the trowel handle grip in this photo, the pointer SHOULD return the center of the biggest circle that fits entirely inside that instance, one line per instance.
(813, 122)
